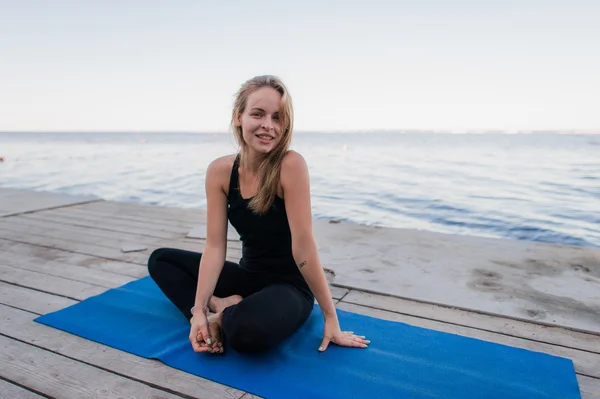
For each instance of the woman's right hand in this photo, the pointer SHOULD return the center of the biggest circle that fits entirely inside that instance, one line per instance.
(199, 335)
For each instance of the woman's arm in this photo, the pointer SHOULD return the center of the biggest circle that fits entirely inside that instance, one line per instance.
(296, 189)
(213, 257)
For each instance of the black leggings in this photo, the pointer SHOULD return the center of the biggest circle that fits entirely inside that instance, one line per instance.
(272, 309)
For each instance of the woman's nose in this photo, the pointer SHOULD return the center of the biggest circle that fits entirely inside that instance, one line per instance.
(267, 124)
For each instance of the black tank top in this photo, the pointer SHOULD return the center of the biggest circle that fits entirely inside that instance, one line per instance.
(266, 238)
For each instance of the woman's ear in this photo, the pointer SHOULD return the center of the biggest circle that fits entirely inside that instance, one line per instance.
(237, 120)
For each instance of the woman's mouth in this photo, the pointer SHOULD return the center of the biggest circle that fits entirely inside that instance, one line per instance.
(264, 138)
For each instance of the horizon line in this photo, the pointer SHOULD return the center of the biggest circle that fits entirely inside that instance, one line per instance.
(328, 131)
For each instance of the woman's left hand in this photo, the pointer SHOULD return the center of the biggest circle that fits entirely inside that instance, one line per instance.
(334, 334)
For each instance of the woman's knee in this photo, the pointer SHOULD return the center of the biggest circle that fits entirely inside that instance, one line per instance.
(247, 335)
(153, 261)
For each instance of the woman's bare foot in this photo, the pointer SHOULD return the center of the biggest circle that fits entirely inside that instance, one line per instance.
(218, 305)
(214, 329)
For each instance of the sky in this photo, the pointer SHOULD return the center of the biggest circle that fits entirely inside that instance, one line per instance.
(129, 65)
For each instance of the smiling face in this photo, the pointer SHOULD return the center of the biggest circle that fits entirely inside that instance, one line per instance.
(260, 121)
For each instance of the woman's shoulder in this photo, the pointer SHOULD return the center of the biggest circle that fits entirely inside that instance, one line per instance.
(293, 168)
(220, 168)
(222, 163)
(293, 162)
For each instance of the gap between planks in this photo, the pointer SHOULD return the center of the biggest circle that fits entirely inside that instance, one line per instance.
(11, 390)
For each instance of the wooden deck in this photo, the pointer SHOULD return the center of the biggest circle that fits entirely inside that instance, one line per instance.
(52, 258)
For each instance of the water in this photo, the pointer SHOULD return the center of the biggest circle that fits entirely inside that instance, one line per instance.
(542, 187)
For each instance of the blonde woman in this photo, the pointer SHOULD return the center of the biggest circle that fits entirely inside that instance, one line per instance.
(264, 192)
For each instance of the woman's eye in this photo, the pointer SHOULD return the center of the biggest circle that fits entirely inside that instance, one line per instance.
(276, 117)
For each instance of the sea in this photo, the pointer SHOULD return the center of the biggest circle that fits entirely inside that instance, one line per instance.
(541, 187)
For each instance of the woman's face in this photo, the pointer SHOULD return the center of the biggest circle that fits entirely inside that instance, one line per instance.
(261, 127)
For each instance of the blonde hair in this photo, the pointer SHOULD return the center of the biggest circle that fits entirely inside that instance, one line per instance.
(270, 163)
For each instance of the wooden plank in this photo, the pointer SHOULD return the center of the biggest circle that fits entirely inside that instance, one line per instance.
(145, 210)
(77, 273)
(43, 254)
(138, 227)
(32, 300)
(53, 235)
(112, 223)
(192, 217)
(250, 396)
(15, 201)
(105, 224)
(101, 254)
(11, 391)
(502, 325)
(19, 325)
(69, 238)
(586, 363)
(60, 377)
(169, 215)
(43, 224)
(143, 207)
(78, 241)
(589, 387)
(74, 246)
(100, 228)
(51, 284)
(337, 292)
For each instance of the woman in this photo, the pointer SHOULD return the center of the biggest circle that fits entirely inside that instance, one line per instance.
(264, 192)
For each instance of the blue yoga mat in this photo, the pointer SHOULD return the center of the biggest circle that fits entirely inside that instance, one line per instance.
(402, 361)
